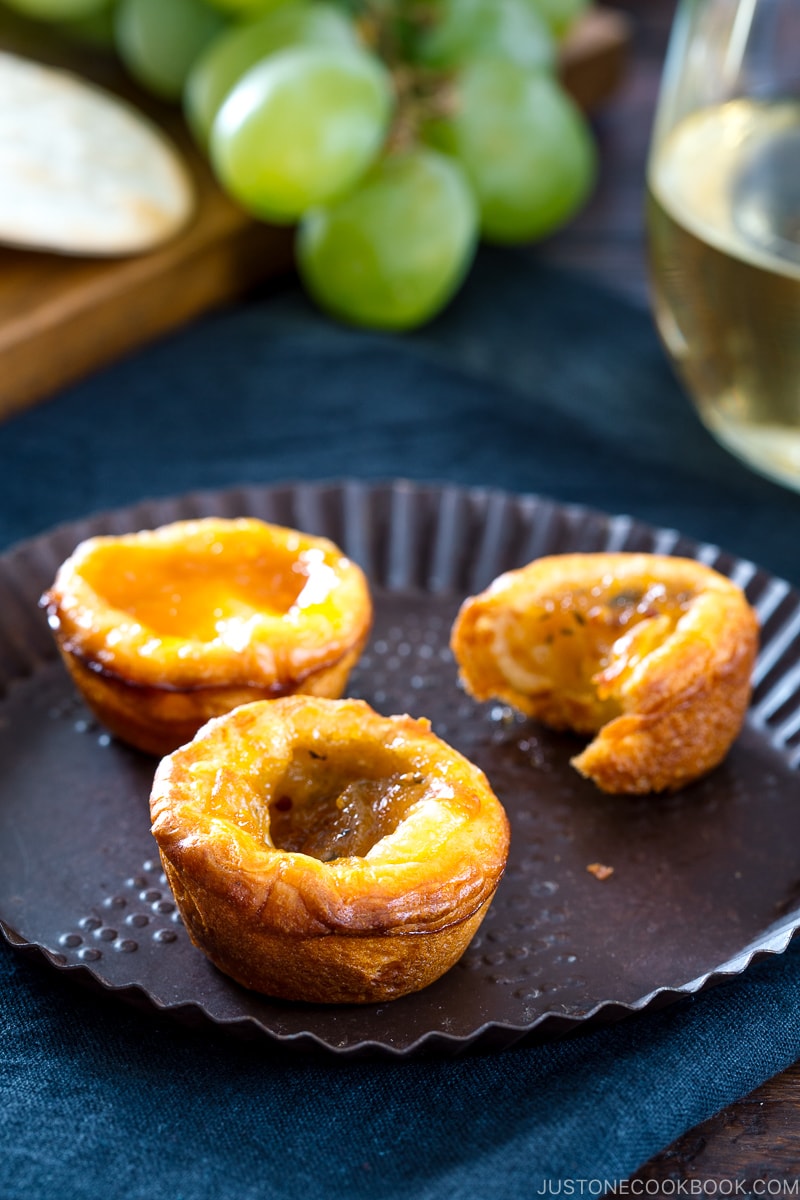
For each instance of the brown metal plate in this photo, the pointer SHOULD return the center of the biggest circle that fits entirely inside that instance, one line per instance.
(703, 881)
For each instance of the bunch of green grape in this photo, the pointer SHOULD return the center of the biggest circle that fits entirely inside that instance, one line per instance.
(396, 133)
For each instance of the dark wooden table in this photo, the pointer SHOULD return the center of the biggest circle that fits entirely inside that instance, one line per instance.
(759, 1137)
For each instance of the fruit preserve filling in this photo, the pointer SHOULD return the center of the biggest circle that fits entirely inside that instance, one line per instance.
(327, 811)
(586, 643)
(209, 595)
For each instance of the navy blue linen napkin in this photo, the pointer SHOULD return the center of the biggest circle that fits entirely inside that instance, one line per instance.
(532, 381)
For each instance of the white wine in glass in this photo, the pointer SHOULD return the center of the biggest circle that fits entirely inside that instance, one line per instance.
(724, 223)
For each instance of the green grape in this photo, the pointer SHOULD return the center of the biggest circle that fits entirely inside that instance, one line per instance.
(232, 54)
(463, 30)
(159, 40)
(57, 10)
(560, 15)
(249, 8)
(300, 128)
(526, 149)
(393, 252)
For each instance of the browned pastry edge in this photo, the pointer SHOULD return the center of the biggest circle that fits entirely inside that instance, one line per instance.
(322, 969)
(354, 930)
(157, 701)
(159, 720)
(678, 713)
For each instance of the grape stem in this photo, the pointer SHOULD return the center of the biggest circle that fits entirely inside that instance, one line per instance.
(377, 23)
(422, 93)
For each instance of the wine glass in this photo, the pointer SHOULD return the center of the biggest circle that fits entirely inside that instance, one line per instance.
(724, 222)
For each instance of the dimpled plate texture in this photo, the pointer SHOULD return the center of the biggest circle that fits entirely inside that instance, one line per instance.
(703, 882)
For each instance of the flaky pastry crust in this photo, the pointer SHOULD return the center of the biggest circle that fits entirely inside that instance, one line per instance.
(652, 654)
(163, 629)
(318, 851)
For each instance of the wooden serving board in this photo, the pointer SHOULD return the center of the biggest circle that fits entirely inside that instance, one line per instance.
(61, 317)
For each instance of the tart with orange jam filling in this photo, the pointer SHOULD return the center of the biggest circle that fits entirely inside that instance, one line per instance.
(318, 851)
(651, 654)
(163, 629)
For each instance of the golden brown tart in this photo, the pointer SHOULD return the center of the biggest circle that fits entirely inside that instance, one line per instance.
(318, 851)
(651, 654)
(165, 628)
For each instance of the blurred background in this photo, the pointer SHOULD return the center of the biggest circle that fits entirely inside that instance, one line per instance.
(63, 315)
